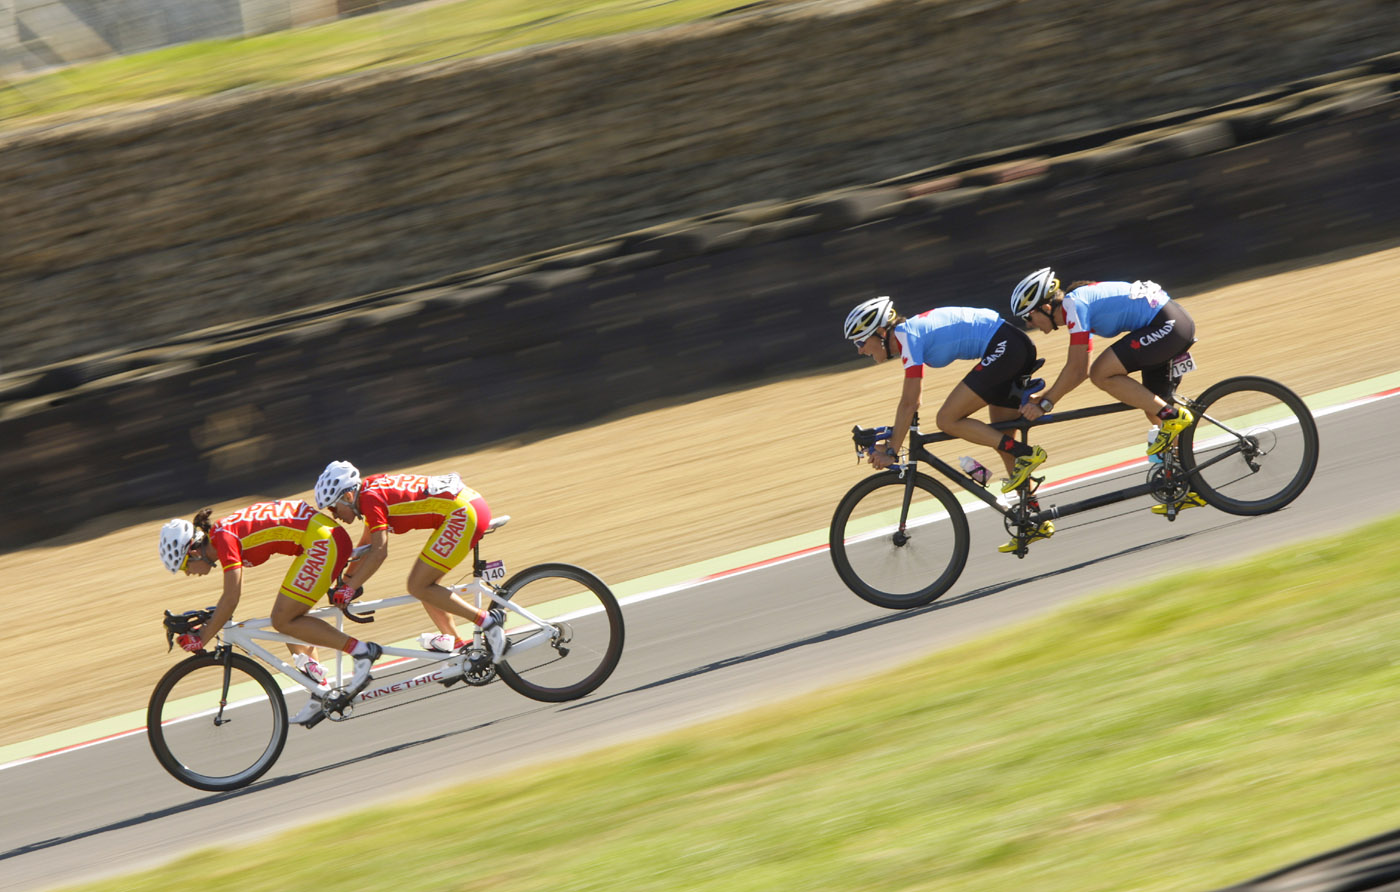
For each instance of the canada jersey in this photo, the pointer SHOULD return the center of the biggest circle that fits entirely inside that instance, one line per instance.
(939, 336)
(1111, 308)
(403, 502)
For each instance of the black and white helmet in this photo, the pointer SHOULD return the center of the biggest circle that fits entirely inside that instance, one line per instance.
(336, 480)
(1032, 291)
(878, 312)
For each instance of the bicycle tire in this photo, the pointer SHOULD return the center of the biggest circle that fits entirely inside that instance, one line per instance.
(564, 670)
(207, 755)
(1283, 449)
(868, 516)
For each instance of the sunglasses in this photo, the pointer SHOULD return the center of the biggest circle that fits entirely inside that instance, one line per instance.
(194, 552)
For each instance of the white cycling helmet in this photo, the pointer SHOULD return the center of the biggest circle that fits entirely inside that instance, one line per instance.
(1032, 291)
(336, 480)
(878, 312)
(175, 539)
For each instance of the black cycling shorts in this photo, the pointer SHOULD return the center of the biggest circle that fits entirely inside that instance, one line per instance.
(1009, 356)
(1170, 334)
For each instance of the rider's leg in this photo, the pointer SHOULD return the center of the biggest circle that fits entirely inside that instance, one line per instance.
(1109, 375)
(954, 418)
(999, 414)
(447, 547)
(444, 623)
(424, 583)
(289, 617)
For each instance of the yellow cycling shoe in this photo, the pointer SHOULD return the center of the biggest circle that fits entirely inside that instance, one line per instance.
(1166, 434)
(1044, 531)
(1191, 500)
(1024, 465)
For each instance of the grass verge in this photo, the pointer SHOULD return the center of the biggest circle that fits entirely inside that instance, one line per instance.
(396, 38)
(1168, 737)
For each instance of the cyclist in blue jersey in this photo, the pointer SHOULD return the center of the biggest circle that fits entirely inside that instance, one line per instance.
(1005, 355)
(1155, 329)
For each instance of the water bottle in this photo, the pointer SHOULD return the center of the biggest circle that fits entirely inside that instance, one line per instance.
(975, 470)
(1155, 459)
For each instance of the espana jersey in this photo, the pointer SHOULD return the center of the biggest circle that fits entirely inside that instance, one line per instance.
(318, 546)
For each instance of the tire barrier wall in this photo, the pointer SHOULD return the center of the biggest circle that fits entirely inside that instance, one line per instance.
(118, 228)
(570, 337)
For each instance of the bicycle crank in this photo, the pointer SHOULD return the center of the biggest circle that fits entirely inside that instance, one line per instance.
(479, 670)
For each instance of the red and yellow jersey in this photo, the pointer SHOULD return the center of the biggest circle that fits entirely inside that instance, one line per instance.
(254, 534)
(403, 502)
(318, 546)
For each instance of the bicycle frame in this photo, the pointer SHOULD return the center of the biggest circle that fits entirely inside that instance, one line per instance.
(247, 633)
(918, 452)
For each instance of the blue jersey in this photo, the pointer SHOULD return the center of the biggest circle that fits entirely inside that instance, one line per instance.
(1111, 308)
(942, 335)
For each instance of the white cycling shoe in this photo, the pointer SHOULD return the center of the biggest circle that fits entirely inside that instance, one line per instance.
(314, 670)
(443, 644)
(363, 663)
(495, 634)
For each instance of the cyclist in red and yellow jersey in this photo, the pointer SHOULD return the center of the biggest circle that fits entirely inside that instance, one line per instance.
(247, 538)
(398, 503)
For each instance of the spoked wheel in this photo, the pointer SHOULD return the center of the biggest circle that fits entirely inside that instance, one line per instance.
(896, 554)
(571, 661)
(1253, 447)
(216, 726)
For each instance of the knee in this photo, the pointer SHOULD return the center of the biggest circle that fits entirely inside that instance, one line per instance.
(946, 420)
(418, 588)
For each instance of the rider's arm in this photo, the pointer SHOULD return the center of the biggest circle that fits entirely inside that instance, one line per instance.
(233, 588)
(904, 412)
(1074, 373)
(372, 559)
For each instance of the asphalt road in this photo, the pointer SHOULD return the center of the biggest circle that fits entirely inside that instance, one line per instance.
(725, 646)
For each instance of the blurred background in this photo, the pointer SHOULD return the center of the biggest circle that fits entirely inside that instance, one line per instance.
(242, 237)
(408, 189)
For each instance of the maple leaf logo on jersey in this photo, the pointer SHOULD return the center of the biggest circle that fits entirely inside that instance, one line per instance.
(1072, 326)
(1135, 345)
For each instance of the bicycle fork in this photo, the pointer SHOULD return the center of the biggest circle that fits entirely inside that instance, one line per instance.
(226, 654)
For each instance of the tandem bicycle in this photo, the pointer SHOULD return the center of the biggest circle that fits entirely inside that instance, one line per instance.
(900, 538)
(218, 719)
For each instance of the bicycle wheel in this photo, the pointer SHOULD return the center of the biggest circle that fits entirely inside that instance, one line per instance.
(1253, 447)
(894, 558)
(215, 731)
(543, 665)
